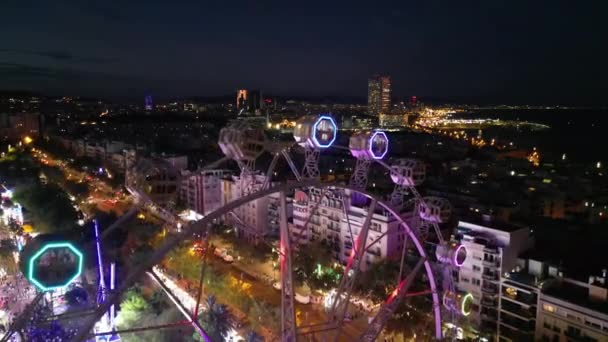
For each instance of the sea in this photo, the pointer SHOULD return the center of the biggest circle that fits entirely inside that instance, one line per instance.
(580, 134)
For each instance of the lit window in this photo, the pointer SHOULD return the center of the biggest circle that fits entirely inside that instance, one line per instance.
(549, 308)
(511, 292)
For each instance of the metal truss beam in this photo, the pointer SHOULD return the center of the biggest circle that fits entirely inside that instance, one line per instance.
(311, 163)
(358, 179)
(339, 306)
(388, 308)
(199, 226)
(288, 315)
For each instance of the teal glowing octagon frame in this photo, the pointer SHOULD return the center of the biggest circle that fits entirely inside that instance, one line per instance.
(46, 247)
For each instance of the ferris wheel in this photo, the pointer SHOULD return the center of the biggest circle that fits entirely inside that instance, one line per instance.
(415, 228)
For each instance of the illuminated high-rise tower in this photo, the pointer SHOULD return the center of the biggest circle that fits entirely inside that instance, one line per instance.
(249, 101)
(148, 105)
(379, 95)
(241, 99)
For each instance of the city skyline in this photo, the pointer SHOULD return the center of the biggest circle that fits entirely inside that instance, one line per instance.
(286, 171)
(511, 53)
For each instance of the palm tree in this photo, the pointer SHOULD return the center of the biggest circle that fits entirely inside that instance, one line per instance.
(216, 320)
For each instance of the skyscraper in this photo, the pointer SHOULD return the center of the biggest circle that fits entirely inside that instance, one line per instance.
(379, 95)
(148, 105)
(249, 101)
(241, 99)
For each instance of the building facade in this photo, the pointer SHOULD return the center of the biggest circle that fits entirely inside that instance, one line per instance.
(492, 249)
(156, 179)
(518, 304)
(16, 126)
(249, 101)
(379, 95)
(571, 310)
(256, 219)
(335, 217)
(201, 191)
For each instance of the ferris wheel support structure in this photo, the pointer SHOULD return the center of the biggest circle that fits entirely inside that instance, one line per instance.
(200, 226)
(315, 134)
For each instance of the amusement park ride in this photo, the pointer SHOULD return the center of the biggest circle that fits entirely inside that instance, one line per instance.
(418, 218)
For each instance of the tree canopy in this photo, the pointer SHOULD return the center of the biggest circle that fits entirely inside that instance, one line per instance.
(216, 320)
(48, 206)
(139, 309)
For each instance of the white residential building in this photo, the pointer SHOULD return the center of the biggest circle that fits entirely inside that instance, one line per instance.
(518, 301)
(539, 303)
(329, 224)
(571, 310)
(201, 191)
(103, 149)
(387, 246)
(492, 249)
(122, 160)
(257, 218)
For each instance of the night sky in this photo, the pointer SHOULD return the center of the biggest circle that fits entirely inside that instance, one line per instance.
(498, 51)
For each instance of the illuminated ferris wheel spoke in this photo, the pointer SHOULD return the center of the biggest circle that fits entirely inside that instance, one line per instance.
(339, 306)
(271, 168)
(312, 211)
(390, 305)
(292, 165)
(181, 307)
(288, 321)
(348, 225)
(244, 144)
(389, 231)
(403, 254)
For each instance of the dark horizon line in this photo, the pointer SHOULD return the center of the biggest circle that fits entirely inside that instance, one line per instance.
(352, 99)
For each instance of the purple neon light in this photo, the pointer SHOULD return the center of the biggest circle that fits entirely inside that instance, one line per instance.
(102, 282)
(314, 131)
(456, 263)
(429, 273)
(371, 141)
(112, 284)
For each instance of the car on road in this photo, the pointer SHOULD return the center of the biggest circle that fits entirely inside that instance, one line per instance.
(223, 254)
(302, 299)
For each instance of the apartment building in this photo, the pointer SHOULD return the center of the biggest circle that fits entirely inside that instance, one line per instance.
(492, 249)
(201, 191)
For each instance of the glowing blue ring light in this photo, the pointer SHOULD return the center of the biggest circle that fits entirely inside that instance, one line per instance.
(314, 131)
(371, 144)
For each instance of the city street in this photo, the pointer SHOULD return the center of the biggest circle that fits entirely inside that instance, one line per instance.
(102, 195)
(15, 293)
(306, 314)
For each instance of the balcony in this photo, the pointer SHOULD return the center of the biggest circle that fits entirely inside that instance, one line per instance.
(333, 227)
(491, 250)
(522, 312)
(491, 263)
(488, 317)
(334, 218)
(576, 336)
(490, 276)
(489, 302)
(489, 290)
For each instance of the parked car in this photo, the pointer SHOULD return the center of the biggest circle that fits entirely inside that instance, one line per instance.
(223, 254)
(302, 299)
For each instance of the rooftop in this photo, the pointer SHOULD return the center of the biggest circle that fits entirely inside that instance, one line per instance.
(479, 220)
(524, 278)
(576, 294)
